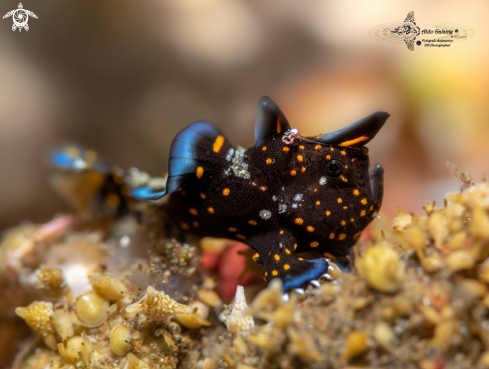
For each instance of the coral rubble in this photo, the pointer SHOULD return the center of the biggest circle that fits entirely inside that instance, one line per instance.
(418, 298)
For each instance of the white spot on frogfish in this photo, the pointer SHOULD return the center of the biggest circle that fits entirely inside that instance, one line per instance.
(239, 166)
(323, 181)
(230, 154)
(265, 214)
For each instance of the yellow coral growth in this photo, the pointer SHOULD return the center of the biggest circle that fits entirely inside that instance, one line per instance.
(381, 267)
(237, 319)
(157, 305)
(111, 288)
(51, 280)
(196, 319)
(402, 220)
(68, 354)
(38, 316)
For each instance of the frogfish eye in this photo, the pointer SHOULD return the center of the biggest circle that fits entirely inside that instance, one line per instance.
(335, 168)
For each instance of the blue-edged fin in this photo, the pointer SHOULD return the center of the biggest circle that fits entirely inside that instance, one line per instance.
(301, 273)
(357, 134)
(195, 153)
(75, 157)
(270, 121)
(148, 193)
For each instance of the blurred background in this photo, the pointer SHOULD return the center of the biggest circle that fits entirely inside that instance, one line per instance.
(123, 77)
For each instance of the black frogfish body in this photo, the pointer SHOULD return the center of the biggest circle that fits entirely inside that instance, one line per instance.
(285, 195)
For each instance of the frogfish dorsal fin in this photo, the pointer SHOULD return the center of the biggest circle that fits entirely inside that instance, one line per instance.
(270, 121)
(357, 134)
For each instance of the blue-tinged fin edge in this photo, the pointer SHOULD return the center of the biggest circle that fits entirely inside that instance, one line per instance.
(148, 193)
(317, 268)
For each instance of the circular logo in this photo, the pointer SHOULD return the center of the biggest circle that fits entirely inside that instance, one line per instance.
(20, 18)
(418, 43)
